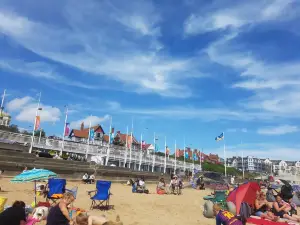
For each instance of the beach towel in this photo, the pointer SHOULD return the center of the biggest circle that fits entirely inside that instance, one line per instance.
(264, 222)
(31, 221)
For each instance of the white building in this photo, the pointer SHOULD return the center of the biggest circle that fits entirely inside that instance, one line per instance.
(5, 119)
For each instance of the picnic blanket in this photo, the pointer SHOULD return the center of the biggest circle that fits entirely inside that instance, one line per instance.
(260, 221)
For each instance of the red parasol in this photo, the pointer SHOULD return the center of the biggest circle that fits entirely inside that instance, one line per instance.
(244, 193)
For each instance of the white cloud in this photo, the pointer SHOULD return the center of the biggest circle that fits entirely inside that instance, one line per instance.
(40, 70)
(26, 110)
(237, 16)
(94, 120)
(279, 130)
(94, 38)
(18, 103)
(234, 130)
(260, 150)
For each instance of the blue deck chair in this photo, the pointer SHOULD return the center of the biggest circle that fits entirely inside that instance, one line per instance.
(57, 187)
(101, 198)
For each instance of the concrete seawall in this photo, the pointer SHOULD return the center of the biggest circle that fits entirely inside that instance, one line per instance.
(14, 160)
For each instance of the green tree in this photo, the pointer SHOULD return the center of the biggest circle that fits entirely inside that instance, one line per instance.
(12, 128)
(37, 133)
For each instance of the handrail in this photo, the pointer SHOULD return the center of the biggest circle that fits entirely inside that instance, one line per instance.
(116, 152)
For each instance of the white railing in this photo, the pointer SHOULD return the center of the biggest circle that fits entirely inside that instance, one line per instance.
(117, 153)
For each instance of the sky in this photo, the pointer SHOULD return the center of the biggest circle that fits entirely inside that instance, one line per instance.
(186, 71)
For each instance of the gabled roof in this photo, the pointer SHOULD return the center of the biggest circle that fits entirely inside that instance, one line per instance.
(84, 133)
(123, 138)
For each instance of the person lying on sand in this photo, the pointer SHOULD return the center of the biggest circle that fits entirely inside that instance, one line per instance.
(224, 217)
(84, 219)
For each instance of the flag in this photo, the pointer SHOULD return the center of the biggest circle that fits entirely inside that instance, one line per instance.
(156, 148)
(37, 122)
(195, 157)
(220, 137)
(167, 151)
(186, 154)
(112, 137)
(67, 129)
(129, 141)
(92, 134)
(143, 145)
(177, 153)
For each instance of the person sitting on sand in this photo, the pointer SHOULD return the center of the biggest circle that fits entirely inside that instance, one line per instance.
(262, 207)
(14, 215)
(284, 210)
(161, 187)
(142, 184)
(85, 178)
(84, 219)
(224, 217)
(59, 214)
(92, 178)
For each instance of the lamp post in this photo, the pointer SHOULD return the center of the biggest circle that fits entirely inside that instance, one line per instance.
(141, 151)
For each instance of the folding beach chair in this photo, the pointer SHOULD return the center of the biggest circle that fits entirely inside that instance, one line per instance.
(56, 187)
(101, 198)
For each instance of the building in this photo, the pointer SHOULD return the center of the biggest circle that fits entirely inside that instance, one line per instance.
(82, 134)
(251, 164)
(121, 140)
(5, 119)
(285, 167)
(212, 158)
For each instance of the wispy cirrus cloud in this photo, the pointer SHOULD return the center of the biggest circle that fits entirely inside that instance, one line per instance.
(279, 130)
(114, 40)
(40, 70)
(237, 15)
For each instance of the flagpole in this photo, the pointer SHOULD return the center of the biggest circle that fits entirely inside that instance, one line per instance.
(2, 103)
(184, 167)
(130, 151)
(225, 155)
(243, 162)
(109, 141)
(89, 136)
(200, 160)
(34, 124)
(65, 125)
(175, 157)
(153, 159)
(126, 149)
(140, 163)
(165, 166)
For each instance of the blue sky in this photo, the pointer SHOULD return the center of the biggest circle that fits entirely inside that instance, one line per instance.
(192, 69)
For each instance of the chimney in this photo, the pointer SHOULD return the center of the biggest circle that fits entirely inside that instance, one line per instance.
(82, 126)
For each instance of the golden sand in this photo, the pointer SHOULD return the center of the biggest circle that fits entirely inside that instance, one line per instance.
(134, 209)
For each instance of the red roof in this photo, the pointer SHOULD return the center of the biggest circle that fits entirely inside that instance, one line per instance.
(124, 136)
(84, 133)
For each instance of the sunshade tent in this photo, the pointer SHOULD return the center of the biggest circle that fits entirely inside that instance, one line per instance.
(244, 193)
(33, 176)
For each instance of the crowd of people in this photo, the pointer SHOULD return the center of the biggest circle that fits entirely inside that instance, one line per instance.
(58, 215)
(282, 207)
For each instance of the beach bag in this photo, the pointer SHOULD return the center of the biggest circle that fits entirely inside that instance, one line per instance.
(245, 212)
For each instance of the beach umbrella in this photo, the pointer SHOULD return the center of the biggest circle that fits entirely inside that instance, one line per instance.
(33, 176)
(244, 193)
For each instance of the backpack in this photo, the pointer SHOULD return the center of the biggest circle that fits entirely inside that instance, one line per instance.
(245, 212)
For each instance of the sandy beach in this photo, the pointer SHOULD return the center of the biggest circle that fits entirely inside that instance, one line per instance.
(134, 209)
